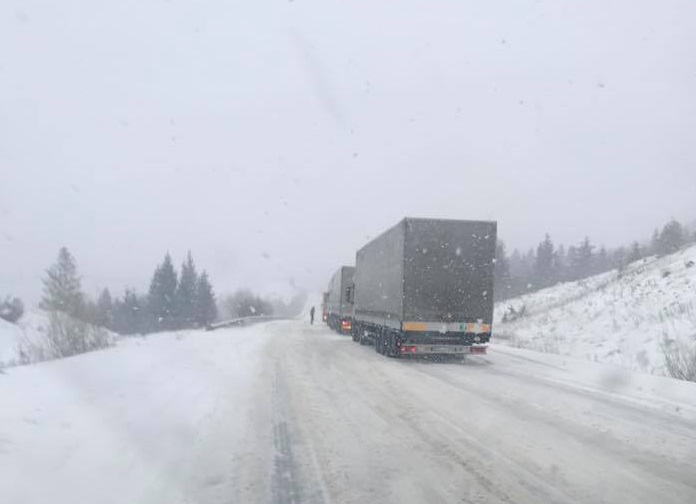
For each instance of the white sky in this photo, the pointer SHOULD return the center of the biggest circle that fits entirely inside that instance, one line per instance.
(273, 138)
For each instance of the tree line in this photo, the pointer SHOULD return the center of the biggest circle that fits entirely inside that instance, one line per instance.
(174, 301)
(548, 264)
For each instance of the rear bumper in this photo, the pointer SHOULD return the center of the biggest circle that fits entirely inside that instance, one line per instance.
(407, 349)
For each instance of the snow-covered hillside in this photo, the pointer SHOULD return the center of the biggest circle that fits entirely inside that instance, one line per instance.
(622, 318)
(28, 333)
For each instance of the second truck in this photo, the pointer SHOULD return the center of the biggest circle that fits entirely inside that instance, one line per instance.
(339, 300)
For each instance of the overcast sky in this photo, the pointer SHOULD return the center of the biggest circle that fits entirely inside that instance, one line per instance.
(274, 138)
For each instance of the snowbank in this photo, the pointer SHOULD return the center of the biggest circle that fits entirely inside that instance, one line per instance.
(140, 422)
(622, 318)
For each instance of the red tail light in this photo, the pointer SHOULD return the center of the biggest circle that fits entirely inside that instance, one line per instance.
(478, 349)
(346, 325)
(408, 349)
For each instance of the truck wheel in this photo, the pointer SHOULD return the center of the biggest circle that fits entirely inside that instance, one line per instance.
(378, 344)
(394, 350)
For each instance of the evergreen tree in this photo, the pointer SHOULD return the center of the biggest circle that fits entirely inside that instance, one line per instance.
(560, 264)
(104, 309)
(206, 309)
(62, 289)
(516, 261)
(582, 260)
(129, 313)
(543, 265)
(601, 262)
(162, 297)
(501, 272)
(186, 293)
(655, 242)
(671, 238)
(619, 258)
(636, 252)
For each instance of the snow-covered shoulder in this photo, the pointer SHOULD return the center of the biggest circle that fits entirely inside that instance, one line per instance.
(127, 423)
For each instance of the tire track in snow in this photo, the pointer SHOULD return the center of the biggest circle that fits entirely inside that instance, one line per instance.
(295, 480)
(286, 481)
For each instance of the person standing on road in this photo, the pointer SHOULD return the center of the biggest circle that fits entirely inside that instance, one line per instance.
(311, 315)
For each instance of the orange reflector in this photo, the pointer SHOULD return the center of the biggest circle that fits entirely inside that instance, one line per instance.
(414, 326)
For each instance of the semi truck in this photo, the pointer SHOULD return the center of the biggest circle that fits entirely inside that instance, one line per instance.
(425, 287)
(339, 303)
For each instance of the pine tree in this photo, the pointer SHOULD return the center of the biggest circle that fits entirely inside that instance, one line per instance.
(133, 311)
(543, 266)
(206, 309)
(104, 310)
(582, 260)
(501, 272)
(162, 297)
(636, 252)
(601, 262)
(655, 242)
(129, 313)
(62, 287)
(186, 293)
(619, 257)
(671, 238)
(560, 264)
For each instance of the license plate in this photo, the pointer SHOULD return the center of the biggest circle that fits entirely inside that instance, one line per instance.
(445, 349)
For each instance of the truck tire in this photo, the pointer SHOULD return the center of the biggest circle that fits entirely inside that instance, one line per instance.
(393, 348)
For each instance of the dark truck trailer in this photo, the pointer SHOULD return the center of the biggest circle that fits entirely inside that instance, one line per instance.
(324, 301)
(339, 303)
(425, 286)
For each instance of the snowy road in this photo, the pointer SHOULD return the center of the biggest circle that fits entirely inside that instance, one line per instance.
(287, 413)
(353, 426)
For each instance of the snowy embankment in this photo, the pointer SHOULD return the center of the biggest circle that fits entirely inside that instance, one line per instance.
(30, 329)
(624, 318)
(28, 340)
(140, 422)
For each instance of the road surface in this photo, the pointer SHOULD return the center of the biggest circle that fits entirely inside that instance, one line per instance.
(343, 424)
(285, 412)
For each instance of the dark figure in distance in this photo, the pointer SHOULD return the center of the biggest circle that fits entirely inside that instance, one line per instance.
(311, 315)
